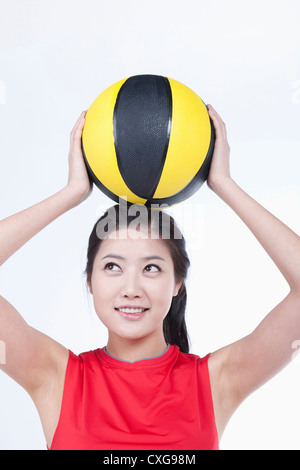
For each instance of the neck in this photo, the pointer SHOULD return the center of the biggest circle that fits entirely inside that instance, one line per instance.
(132, 350)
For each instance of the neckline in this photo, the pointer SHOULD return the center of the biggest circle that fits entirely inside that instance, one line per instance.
(138, 360)
(140, 363)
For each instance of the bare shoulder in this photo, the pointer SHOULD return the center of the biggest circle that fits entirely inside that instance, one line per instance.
(31, 357)
(48, 397)
(35, 361)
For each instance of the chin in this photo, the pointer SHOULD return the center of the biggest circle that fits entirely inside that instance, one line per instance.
(133, 333)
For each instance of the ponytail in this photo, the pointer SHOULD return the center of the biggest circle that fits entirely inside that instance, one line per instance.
(174, 326)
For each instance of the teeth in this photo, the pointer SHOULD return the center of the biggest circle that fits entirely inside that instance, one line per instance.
(132, 310)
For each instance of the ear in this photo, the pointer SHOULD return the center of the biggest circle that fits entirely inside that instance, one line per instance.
(177, 288)
(90, 287)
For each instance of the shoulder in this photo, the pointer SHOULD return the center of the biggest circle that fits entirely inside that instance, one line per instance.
(84, 359)
(194, 362)
(191, 358)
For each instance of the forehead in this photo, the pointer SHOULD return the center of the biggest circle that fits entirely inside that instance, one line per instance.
(133, 243)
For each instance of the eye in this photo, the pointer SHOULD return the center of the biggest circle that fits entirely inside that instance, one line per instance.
(112, 267)
(152, 268)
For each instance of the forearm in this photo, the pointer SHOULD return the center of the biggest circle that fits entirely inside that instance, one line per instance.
(19, 228)
(278, 240)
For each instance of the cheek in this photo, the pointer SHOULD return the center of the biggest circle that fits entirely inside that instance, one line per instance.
(162, 294)
(103, 293)
(102, 285)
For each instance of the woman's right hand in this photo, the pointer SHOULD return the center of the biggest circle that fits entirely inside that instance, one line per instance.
(78, 179)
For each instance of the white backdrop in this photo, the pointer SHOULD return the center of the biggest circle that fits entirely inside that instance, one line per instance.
(56, 56)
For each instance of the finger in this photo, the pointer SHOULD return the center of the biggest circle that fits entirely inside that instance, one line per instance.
(79, 120)
(219, 125)
(82, 115)
(79, 124)
(214, 112)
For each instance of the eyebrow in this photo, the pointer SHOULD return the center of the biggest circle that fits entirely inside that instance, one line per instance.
(145, 258)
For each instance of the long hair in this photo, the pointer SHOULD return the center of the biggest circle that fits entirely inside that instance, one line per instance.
(159, 225)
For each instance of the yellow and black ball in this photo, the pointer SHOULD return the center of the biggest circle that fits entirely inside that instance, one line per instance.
(148, 139)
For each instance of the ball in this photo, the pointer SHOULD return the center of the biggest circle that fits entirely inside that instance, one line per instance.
(149, 140)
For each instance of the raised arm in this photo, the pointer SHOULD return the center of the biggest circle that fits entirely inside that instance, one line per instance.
(31, 357)
(239, 369)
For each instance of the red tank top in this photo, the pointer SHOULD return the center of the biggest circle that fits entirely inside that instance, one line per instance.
(158, 403)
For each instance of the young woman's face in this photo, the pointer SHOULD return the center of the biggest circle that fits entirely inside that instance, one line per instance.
(133, 284)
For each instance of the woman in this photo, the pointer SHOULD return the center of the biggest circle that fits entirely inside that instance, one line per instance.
(144, 391)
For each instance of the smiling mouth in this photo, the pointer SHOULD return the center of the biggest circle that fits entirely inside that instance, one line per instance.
(132, 313)
(132, 310)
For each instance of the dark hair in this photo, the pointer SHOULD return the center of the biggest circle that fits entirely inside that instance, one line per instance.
(160, 225)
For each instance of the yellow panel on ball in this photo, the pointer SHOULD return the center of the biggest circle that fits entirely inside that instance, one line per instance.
(189, 140)
(99, 147)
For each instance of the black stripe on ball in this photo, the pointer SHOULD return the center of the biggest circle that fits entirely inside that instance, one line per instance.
(142, 125)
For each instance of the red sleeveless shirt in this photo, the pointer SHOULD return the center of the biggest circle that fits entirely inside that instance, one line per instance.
(158, 403)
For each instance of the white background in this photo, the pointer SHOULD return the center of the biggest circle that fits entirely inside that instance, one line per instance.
(56, 57)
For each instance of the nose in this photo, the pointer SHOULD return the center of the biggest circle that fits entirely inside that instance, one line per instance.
(132, 287)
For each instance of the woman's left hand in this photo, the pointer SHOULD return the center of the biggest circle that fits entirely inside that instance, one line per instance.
(220, 167)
